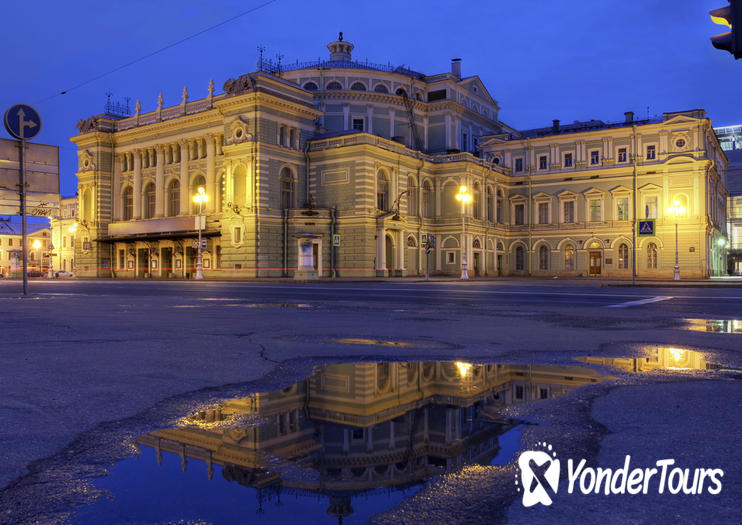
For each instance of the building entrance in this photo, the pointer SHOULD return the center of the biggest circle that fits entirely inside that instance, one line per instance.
(596, 263)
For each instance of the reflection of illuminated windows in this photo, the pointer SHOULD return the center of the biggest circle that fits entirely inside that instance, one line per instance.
(519, 392)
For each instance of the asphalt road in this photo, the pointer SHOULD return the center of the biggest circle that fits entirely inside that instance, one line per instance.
(80, 357)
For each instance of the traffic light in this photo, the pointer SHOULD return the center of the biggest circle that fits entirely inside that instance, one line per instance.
(730, 16)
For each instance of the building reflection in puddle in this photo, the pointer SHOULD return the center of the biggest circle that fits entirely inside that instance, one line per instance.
(722, 326)
(355, 438)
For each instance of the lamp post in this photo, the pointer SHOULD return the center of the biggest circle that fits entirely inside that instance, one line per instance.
(464, 198)
(72, 229)
(677, 210)
(50, 273)
(200, 198)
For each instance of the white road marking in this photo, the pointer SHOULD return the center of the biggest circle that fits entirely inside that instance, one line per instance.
(641, 301)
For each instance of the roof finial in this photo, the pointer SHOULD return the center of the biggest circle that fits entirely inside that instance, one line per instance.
(340, 37)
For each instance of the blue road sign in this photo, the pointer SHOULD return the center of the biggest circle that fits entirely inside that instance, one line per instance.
(22, 121)
(646, 227)
(336, 239)
(203, 243)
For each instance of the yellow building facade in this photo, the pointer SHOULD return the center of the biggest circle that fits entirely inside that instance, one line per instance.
(342, 168)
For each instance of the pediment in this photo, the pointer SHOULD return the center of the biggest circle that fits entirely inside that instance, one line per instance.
(566, 194)
(593, 191)
(650, 186)
(620, 189)
(541, 196)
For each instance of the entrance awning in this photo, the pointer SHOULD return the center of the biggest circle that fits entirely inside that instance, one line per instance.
(158, 236)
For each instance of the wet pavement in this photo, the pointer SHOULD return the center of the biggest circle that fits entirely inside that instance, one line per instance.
(92, 375)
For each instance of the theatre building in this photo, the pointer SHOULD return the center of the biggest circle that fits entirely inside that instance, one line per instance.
(339, 168)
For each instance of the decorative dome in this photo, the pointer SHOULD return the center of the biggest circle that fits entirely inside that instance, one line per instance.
(339, 50)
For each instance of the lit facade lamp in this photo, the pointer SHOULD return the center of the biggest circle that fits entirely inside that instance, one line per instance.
(200, 198)
(677, 210)
(463, 197)
(72, 229)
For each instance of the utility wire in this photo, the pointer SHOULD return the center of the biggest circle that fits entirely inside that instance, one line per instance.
(153, 53)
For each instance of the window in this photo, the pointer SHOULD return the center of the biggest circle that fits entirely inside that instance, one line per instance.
(543, 213)
(311, 86)
(450, 257)
(543, 393)
(490, 204)
(651, 152)
(282, 136)
(650, 208)
(622, 209)
(652, 255)
(680, 143)
(411, 196)
(543, 257)
(518, 392)
(237, 235)
(401, 92)
(381, 88)
(476, 200)
(427, 199)
(569, 258)
(357, 86)
(518, 164)
(595, 210)
(149, 201)
(122, 259)
(127, 203)
(594, 157)
(568, 211)
(382, 191)
(358, 124)
(465, 142)
(623, 257)
(499, 206)
(292, 138)
(439, 94)
(10, 242)
(287, 189)
(173, 198)
(334, 86)
(519, 258)
(567, 160)
(64, 241)
(520, 213)
(542, 162)
(622, 157)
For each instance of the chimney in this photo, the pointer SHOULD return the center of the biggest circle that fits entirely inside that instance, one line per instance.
(555, 125)
(456, 67)
(629, 116)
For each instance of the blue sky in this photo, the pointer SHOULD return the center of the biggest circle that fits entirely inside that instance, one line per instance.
(541, 60)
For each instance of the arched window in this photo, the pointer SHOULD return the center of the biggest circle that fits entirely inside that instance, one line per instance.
(382, 191)
(499, 206)
(476, 244)
(311, 86)
(173, 198)
(623, 256)
(287, 189)
(149, 201)
(381, 88)
(239, 186)
(427, 199)
(334, 86)
(543, 257)
(569, 258)
(652, 255)
(401, 92)
(476, 201)
(127, 203)
(490, 204)
(411, 242)
(198, 182)
(357, 86)
(519, 258)
(411, 196)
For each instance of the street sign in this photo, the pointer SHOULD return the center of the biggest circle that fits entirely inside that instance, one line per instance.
(41, 167)
(194, 244)
(424, 239)
(336, 239)
(22, 121)
(646, 228)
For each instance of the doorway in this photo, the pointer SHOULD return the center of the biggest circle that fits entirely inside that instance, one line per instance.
(389, 248)
(596, 263)
(476, 264)
(143, 263)
(499, 265)
(166, 262)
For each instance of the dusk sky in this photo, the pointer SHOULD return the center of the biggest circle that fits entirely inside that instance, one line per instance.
(567, 60)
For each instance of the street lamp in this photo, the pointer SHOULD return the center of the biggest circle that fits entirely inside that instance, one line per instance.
(464, 198)
(50, 273)
(200, 198)
(677, 210)
(72, 229)
(36, 245)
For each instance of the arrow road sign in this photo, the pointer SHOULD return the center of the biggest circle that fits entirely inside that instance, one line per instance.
(22, 121)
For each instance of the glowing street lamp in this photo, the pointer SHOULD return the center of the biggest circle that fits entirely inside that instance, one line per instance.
(200, 198)
(36, 245)
(464, 198)
(72, 229)
(677, 210)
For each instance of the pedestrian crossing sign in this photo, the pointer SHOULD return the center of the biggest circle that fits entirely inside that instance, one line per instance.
(646, 227)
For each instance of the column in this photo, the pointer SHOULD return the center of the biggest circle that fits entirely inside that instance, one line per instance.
(210, 174)
(116, 190)
(457, 139)
(160, 181)
(392, 115)
(437, 199)
(447, 120)
(137, 197)
(426, 123)
(380, 250)
(370, 119)
(399, 255)
(185, 198)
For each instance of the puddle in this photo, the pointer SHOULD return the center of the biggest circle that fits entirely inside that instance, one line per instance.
(348, 442)
(721, 326)
(374, 342)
